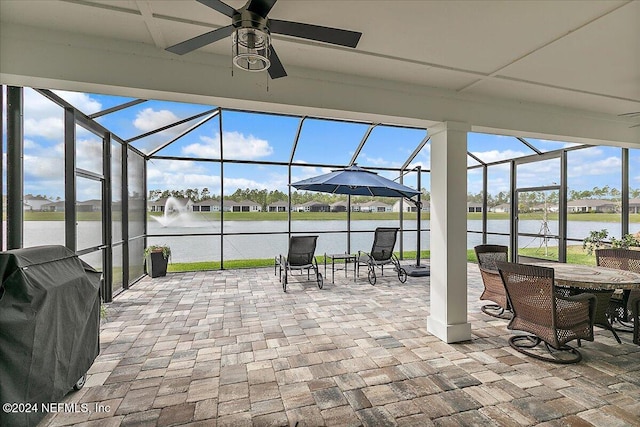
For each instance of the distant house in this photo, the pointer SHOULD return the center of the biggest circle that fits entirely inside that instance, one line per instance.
(501, 208)
(591, 205)
(474, 207)
(279, 206)
(549, 207)
(375, 206)
(340, 206)
(243, 206)
(35, 203)
(208, 205)
(53, 206)
(634, 206)
(93, 205)
(408, 207)
(313, 207)
(250, 206)
(176, 204)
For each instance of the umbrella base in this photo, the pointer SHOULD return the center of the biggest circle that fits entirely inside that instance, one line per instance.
(417, 270)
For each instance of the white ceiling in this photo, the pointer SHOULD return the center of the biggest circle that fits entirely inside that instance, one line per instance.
(578, 55)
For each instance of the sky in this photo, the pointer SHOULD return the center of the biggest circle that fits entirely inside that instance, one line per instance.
(264, 137)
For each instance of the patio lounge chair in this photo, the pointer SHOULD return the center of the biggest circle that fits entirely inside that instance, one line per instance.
(301, 256)
(381, 254)
(552, 319)
(620, 309)
(487, 256)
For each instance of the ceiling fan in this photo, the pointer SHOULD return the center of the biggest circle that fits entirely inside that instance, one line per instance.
(251, 30)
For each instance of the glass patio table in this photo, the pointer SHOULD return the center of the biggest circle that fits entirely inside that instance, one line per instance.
(346, 258)
(599, 281)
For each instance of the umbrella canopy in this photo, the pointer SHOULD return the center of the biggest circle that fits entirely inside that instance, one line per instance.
(355, 181)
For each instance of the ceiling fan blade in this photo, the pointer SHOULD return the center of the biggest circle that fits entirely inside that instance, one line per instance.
(276, 69)
(201, 40)
(315, 32)
(261, 7)
(223, 8)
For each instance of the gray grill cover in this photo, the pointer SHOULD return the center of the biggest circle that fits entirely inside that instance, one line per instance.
(49, 326)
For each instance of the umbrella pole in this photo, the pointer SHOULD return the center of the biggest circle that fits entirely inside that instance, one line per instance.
(348, 223)
(418, 270)
(419, 215)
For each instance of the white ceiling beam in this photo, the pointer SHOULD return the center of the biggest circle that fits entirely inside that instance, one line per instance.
(149, 21)
(34, 57)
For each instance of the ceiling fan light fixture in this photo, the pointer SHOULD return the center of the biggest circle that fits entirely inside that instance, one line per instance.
(251, 49)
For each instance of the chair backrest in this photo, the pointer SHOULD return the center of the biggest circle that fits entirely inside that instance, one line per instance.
(488, 255)
(301, 250)
(531, 293)
(383, 243)
(620, 259)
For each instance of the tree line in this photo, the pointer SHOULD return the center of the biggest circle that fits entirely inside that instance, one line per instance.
(539, 197)
(267, 197)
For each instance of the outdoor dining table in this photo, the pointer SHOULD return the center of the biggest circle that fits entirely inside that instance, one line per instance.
(599, 281)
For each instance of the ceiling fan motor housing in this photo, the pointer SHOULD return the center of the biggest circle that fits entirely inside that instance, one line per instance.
(251, 41)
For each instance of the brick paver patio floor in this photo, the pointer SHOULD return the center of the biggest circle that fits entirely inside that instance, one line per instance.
(229, 348)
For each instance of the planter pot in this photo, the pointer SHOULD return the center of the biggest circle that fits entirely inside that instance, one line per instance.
(156, 264)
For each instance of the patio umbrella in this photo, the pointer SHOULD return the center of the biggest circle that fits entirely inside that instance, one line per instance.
(356, 181)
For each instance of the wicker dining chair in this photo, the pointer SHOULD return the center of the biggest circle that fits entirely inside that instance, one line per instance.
(552, 319)
(487, 256)
(620, 310)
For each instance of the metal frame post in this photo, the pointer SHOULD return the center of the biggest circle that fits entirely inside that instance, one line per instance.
(15, 167)
(70, 179)
(2, 117)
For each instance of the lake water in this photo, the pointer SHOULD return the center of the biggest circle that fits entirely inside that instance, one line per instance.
(332, 235)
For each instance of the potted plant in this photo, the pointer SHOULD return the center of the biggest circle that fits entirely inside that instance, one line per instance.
(156, 258)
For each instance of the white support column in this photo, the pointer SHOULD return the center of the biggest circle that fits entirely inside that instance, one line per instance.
(448, 319)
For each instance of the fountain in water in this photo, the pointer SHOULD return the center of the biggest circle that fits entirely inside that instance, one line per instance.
(176, 214)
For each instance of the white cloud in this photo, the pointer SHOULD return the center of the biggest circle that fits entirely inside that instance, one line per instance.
(497, 155)
(81, 101)
(150, 119)
(364, 159)
(235, 145)
(47, 127)
(180, 175)
(89, 154)
(44, 118)
(600, 167)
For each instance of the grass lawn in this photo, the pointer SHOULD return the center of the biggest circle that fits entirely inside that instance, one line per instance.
(575, 255)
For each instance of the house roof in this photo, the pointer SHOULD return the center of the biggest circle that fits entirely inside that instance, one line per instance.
(163, 201)
(590, 203)
(375, 203)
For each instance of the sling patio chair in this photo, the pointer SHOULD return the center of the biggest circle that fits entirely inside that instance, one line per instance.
(487, 256)
(301, 256)
(620, 310)
(552, 319)
(381, 254)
